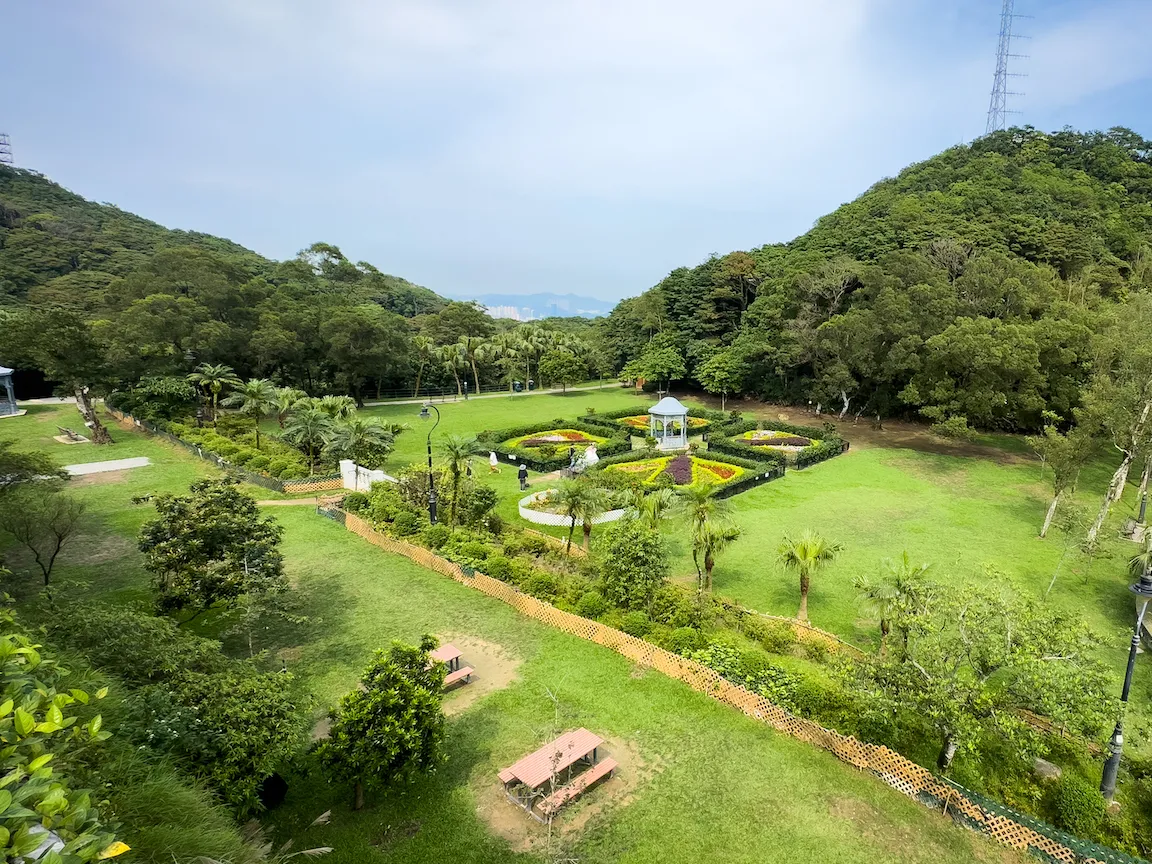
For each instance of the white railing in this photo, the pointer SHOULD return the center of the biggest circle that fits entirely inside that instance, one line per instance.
(558, 519)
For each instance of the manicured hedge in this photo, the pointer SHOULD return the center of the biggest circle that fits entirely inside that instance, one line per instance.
(755, 472)
(724, 440)
(493, 439)
(610, 419)
(730, 447)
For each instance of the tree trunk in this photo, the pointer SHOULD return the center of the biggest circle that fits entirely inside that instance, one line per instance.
(257, 425)
(802, 615)
(571, 531)
(723, 399)
(587, 535)
(1144, 478)
(459, 389)
(358, 804)
(419, 372)
(1049, 515)
(1118, 479)
(475, 376)
(91, 421)
(947, 754)
(709, 563)
(847, 402)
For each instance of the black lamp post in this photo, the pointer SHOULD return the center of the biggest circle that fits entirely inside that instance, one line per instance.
(1142, 591)
(424, 415)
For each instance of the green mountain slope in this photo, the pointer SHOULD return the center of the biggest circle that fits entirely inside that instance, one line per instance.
(968, 289)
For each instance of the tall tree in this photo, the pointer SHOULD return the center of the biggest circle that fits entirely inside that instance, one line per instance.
(214, 379)
(309, 429)
(391, 727)
(456, 450)
(424, 351)
(901, 592)
(366, 441)
(1065, 454)
(722, 374)
(806, 554)
(709, 540)
(562, 367)
(256, 398)
(472, 347)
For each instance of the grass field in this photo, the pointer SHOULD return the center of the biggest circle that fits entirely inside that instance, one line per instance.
(724, 787)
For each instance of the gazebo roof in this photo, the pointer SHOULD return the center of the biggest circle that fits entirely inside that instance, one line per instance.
(668, 407)
(4, 370)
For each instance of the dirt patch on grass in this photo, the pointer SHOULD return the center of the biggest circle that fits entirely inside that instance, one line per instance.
(98, 548)
(896, 839)
(525, 834)
(100, 478)
(494, 669)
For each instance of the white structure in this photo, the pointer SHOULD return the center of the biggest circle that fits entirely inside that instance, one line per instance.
(359, 478)
(559, 520)
(668, 424)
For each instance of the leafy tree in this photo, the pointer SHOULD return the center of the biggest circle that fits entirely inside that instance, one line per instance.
(210, 548)
(456, 450)
(1065, 454)
(472, 347)
(901, 593)
(391, 727)
(633, 563)
(723, 374)
(365, 342)
(364, 440)
(424, 351)
(806, 554)
(19, 466)
(700, 506)
(709, 540)
(975, 658)
(163, 397)
(43, 520)
(309, 429)
(214, 379)
(453, 360)
(562, 367)
(659, 361)
(256, 398)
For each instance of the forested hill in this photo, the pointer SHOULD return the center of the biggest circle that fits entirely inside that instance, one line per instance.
(59, 248)
(973, 288)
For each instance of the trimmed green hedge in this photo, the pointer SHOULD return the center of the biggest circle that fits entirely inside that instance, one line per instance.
(273, 459)
(756, 472)
(725, 440)
(493, 439)
(610, 419)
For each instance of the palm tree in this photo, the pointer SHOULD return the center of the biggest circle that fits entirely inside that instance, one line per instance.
(361, 439)
(596, 501)
(805, 555)
(287, 400)
(456, 450)
(710, 540)
(309, 429)
(212, 379)
(336, 407)
(700, 504)
(533, 343)
(425, 354)
(572, 499)
(654, 506)
(472, 347)
(256, 398)
(454, 361)
(900, 589)
(506, 350)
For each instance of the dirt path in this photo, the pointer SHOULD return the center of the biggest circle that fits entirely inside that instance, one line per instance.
(290, 502)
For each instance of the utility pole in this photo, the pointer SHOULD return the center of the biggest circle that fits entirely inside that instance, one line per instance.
(5, 150)
(998, 105)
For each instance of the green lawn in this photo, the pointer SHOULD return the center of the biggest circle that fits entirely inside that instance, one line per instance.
(726, 788)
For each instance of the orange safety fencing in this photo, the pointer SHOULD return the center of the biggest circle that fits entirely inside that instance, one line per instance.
(898, 772)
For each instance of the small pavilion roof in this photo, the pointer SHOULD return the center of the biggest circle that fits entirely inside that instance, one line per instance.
(668, 407)
(4, 370)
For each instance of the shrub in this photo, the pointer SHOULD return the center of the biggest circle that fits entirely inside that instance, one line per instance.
(293, 472)
(243, 456)
(226, 449)
(776, 637)
(406, 523)
(473, 549)
(355, 502)
(633, 563)
(534, 545)
(435, 536)
(816, 649)
(541, 584)
(277, 465)
(1077, 806)
(636, 624)
(258, 463)
(685, 639)
(592, 604)
(954, 427)
(498, 567)
(674, 607)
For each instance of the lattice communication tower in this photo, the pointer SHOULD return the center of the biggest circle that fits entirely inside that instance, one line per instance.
(998, 106)
(5, 150)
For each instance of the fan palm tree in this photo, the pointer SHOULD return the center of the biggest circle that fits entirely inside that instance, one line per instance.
(213, 379)
(309, 429)
(533, 344)
(287, 400)
(596, 501)
(575, 499)
(709, 540)
(472, 347)
(505, 349)
(700, 505)
(900, 589)
(336, 407)
(366, 441)
(806, 554)
(456, 450)
(454, 361)
(425, 350)
(256, 398)
(654, 506)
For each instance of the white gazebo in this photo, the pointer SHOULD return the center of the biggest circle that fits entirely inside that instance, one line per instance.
(668, 424)
(7, 393)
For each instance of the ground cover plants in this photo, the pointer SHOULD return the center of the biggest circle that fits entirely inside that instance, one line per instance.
(681, 469)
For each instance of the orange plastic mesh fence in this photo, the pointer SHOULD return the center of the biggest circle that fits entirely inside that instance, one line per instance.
(899, 773)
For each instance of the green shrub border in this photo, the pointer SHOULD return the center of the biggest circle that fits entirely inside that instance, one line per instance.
(493, 439)
(724, 440)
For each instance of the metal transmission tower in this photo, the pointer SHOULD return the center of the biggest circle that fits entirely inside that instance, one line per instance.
(998, 106)
(5, 150)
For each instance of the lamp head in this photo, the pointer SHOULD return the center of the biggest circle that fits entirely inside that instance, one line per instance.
(424, 413)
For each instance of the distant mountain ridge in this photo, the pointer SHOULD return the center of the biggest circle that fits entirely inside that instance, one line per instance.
(543, 304)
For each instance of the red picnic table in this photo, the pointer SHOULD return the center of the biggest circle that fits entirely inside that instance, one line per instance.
(450, 656)
(551, 766)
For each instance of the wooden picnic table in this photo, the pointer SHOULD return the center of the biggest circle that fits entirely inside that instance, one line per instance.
(448, 654)
(536, 769)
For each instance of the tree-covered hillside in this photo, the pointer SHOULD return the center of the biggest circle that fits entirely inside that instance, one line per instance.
(59, 248)
(973, 288)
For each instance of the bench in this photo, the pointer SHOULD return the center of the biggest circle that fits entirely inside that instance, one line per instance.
(464, 673)
(69, 434)
(577, 787)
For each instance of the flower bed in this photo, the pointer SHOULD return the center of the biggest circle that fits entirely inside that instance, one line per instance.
(641, 422)
(776, 439)
(559, 439)
(552, 452)
(681, 470)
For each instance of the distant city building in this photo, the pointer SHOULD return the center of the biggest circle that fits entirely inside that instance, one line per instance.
(516, 313)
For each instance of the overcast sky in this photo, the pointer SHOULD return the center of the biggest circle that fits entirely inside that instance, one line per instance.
(532, 145)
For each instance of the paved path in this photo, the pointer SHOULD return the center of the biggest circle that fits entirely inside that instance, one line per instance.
(502, 395)
(111, 465)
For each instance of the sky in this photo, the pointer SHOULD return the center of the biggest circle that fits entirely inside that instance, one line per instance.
(518, 146)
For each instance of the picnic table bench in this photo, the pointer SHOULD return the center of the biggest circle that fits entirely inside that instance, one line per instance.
(547, 773)
(450, 656)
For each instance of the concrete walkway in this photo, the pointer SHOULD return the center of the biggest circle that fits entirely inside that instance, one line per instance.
(111, 465)
(502, 395)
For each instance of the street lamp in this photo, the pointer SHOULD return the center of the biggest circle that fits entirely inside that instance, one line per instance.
(1142, 591)
(424, 415)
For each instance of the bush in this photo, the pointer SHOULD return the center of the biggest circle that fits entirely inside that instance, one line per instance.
(776, 637)
(1077, 807)
(355, 502)
(243, 456)
(684, 640)
(816, 650)
(591, 605)
(636, 624)
(954, 427)
(406, 523)
(258, 463)
(277, 465)
(435, 536)
(633, 563)
(473, 549)
(498, 567)
(293, 472)
(541, 584)
(674, 607)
